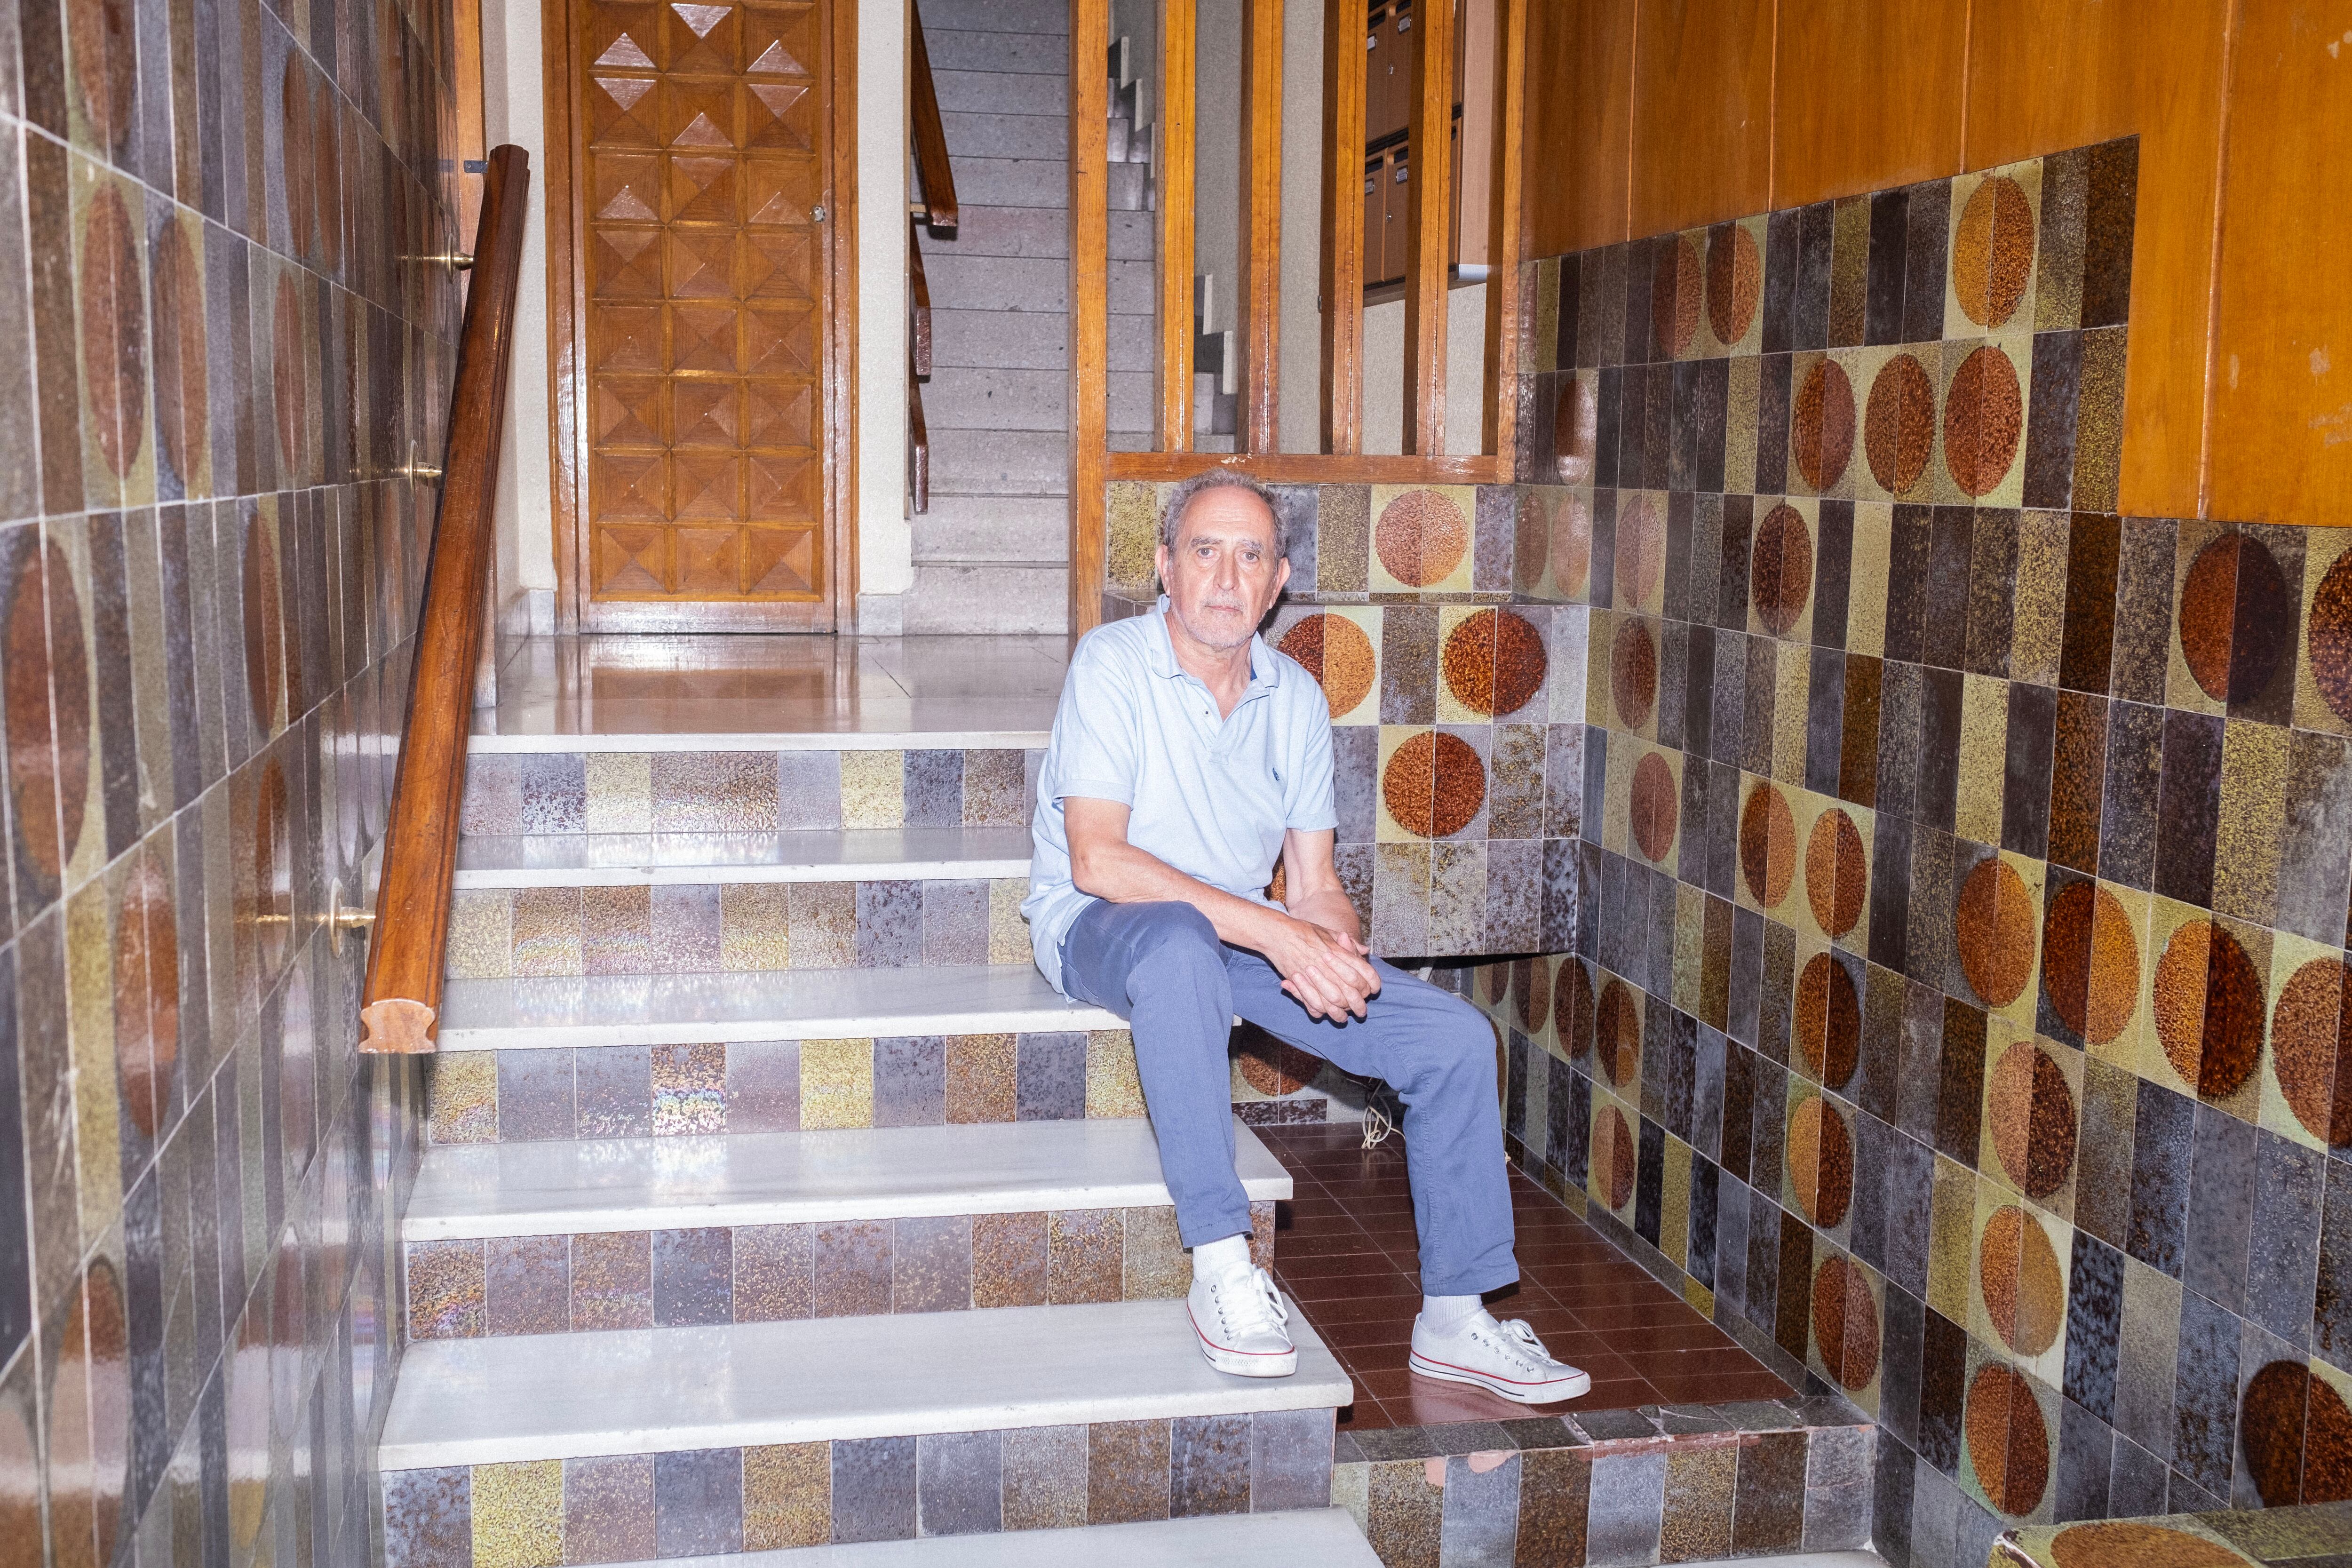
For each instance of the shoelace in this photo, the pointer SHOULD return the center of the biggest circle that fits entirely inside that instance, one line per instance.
(1521, 1340)
(1252, 1305)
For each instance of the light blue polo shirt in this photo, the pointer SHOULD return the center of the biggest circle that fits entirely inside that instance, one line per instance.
(1210, 798)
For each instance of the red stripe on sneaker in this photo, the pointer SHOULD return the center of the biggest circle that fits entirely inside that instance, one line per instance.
(1573, 1374)
(1228, 1350)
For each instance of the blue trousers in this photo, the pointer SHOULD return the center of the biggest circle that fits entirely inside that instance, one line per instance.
(1161, 967)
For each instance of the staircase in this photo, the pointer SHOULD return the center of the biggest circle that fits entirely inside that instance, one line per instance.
(772, 1200)
(992, 553)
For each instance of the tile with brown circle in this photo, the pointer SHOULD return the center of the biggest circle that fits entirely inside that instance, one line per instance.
(1984, 420)
(2328, 630)
(1992, 251)
(1572, 1003)
(1898, 425)
(177, 286)
(113, 310)
(2090, 961)
(146, 964)
(1571, 547)
(1640, 550)
(1269, 1066)
(2236, 621)
(1993, 928)
(2029, 1107)
(1531, 541)
(1828, 1019)
(1634, 672)
(100, 39)
(48, 733)
(1421, 537)
(2311, 1049)
(1821, 424)
(1735, 282)
(1819, 1152)
(1837, 872)
(2024, 1286)
(1433, 785)
(2297, 1435)
(1613, 1159)
(265, 627)
(2133, 1544)
(1846, 1323)
(2208, 1000)
(289, 379)
(1531, 994)
(1336, 652)
(1492, 661)
(2008, 1439)
(1653, 806)
(1617, 1033)
(1677, 292)
(1768, 845)
(1780, 571)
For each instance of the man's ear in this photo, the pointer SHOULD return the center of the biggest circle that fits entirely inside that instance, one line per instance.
(1281, 574)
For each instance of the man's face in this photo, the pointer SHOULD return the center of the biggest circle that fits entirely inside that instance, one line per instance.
(1221, 574)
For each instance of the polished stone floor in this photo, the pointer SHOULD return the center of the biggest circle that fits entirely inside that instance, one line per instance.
(681, 692)
(1346, 1252)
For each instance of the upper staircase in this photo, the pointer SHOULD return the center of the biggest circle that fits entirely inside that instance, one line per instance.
(772, 1198)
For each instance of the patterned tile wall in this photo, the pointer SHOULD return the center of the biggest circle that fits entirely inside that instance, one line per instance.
(781, 1086)
(213, 358)
(1960, 975)
(771, 1273)
(633, 1506)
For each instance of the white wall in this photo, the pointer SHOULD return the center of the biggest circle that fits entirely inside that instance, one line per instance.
(512, 112)
(1465, 374)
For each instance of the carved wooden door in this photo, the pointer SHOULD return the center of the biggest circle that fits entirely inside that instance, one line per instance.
(705, 439)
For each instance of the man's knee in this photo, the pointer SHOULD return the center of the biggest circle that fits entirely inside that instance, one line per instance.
(1173, 931)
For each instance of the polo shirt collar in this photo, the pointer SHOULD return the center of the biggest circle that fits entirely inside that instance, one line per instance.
(1265, 670)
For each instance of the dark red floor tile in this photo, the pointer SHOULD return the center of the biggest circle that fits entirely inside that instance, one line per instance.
(1365, 1415)
(1323, 1243)
(1310, 1292)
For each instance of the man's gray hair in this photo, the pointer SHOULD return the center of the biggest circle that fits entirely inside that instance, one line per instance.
(1180, 498)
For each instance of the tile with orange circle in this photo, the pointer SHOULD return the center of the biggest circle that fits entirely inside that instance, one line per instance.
(1817, 1153)
(2176, 1542)
(2093, 945)
(1997, 929)
(2008, 1437)
(1769, 851)
(1627, 656)
(1833, 869)
(1783, 559)
(2306, 1075)
(1678, 327)
(2017, 1299)
(1641, 813)
(1825, 1015)
(1637, 554)
(1494, 664)
(1567, 524)
(1847, 1343)
(1421, 538)
(1339, 646)
(2207, 993)
(1733, 255)
(1900, 428)
(1618, 1020)
(1824, 424)
(2031, 1123)
(1984, 387)
(2294, 1423)
(2237, 589)
(110, 328)
(1990, 277)
(1431, 782)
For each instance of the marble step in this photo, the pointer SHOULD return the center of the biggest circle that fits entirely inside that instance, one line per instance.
(1001, 92)
(979, 49)
(1026, 283)
(776, 1005)
(989, 133)
(1327, 1538)
(573, 1186)
(826, 1380)
(1026, 340)
(981, 398)
(686, 860)
(999, 462)
(969, 529)
(1032, 231)
(1044, 19)
(996, 597)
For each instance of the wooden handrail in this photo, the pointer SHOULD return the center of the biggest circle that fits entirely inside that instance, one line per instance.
(931, 167)
(919, 368)
(919, 449)
(402, 1002)
(918, 304)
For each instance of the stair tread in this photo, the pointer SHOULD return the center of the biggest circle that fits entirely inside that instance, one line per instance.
(584, 1185)
(807, 855)
(1323, 1536)
(772, 1005)
(644, 1391)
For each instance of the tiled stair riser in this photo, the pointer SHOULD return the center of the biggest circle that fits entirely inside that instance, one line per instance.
(740, 926)
(1753, 1484)
(771, 1273)
(631, 1508)
(780, 1085)
(746, 791)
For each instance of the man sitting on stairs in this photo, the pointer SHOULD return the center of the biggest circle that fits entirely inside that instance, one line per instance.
(1186, 755)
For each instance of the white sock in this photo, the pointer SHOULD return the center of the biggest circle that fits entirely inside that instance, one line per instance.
(1215, 1260)
(1444, 1314)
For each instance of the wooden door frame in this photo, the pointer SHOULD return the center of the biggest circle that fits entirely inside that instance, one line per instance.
(567, 311)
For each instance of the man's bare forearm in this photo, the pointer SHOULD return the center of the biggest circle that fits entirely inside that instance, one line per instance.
(1123, 874)
(1329, 909)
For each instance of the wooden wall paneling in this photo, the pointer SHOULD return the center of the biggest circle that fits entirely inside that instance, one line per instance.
(2280, 440)
(1868, 95)
(1430, 205)
(1345, 228)
(2049, 74)
(1499, 432)
(1260, 292)
(1702, 113)
(567, 300)
(473, 152)
(1311, 468)
(1089, 392)
(1178, 66)
(1579, 124)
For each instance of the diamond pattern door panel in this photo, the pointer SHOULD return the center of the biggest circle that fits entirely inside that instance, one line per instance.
(706, 159)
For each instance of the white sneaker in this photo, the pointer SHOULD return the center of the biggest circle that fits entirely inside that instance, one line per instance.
(1504, 1358)
(1240, 1321)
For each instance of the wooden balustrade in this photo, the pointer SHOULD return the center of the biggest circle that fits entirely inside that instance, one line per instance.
(933, 173)
(402, 1001)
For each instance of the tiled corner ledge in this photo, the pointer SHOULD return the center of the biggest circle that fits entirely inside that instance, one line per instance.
(2314, 1535)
